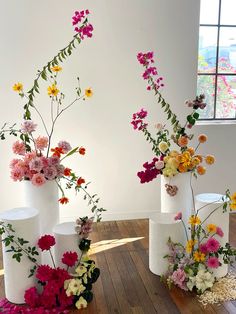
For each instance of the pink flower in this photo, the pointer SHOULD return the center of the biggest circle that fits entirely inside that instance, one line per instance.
(41, 142)
(84, 227)
(18, 148)
(14, 162)
(65, 146)
(29, 156)
(203, 248)
(36, 164)
(69, 258)
(213, 262)
(178, 216)
(38, 179)
(46, 242)
(219, 232)
(53, 161)
(17, 174)
(44, 273)
(212, 245)
(179, 277)
(50, 172)
(28, 126)
(159, 164)
(60, 170)
(31, 297)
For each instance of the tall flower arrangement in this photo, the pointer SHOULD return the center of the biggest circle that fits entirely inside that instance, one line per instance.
(38, 159)
(172, 151)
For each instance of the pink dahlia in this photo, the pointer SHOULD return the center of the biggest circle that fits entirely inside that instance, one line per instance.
(46, 242)
(213, 262)
(41, 142)
(212, 245)
(69, 258)
(65, 146)
(18, 148)
(219, 232)
(38, 179)
(28, 126)
(44, 273)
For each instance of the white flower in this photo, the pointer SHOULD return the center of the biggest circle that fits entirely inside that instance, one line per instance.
(163, 146)
(204, 280)
(159, 164)
(73, 287)
(81, 303)
(80, 270)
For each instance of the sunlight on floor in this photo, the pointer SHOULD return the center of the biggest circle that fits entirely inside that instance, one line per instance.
(110, 244)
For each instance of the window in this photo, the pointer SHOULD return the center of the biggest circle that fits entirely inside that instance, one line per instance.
(217, 59)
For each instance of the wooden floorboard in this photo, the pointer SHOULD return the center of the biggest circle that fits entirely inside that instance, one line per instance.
(126, 285)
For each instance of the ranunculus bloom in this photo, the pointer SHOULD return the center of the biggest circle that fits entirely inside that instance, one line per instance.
(38, 179)
(46, 242)
(69, 258)
(213, 262)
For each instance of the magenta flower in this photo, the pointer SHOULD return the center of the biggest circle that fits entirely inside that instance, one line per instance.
(212, 245)
(46, 242)
(150, 172)
(28, 126)
(178, 216)
(203, 248)
(69, 258)
(44, 273)
(213, 262)
(31, 297)
(219, 232)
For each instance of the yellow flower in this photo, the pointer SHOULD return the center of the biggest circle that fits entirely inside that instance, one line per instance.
(81, 303)
(233, 198)
(199, 256)
(191, 150)
(194, 220)
(173, 153)
(56, 68)
(169, 172)
(232, 206)
(18, 87)
(210, 159)
(186, 159)
(211, 228)
(52, 90)
(89, 92)
(189, 246)
(163, 146)
(80, 270)
(173, 163)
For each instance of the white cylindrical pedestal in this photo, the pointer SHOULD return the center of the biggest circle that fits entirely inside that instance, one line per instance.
(66, 240)
(45, 199)
(25, 222)
(161, 227)
(182, 201)
(218, 218)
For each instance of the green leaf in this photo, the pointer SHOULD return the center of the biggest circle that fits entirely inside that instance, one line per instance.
(72, 152)
(196, 115)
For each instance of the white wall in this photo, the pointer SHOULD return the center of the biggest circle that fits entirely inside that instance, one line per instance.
(32, 31)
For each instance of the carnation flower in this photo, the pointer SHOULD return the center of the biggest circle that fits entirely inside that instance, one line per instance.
(44, 273)
(53, 161)
(41, 142)
(38, 179)
(36, 164)
(65, 146)
(69, 258)
(46, 242)
(17, 174)
(213, 262)
(28, 126)
(18, 148)
(212, 245)
(50, 172)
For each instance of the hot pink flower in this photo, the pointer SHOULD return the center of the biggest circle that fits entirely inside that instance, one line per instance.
(65, 146)
(69, 258)
(178, 216)
(203, 248)
(50, 172)
(219, 232)
(213, 262)
(212, 245)
(36, 164)
(38, 179)
(44, 273)
(46, 242)
(41, 142)
(31, 297)
(18, 148)
(28, 126)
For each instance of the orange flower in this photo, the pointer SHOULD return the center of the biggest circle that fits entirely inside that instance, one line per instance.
(202, 138)
(63, 200)
(196, 161)
(57, 151)
(191, 150)
(182, 168)
(183, 141)
(82, 151)
(199, 157)
(201, 170)
(67, 172)
(210, 159)
(80, 181)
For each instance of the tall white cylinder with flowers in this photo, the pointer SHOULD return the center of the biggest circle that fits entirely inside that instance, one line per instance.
(216, 223)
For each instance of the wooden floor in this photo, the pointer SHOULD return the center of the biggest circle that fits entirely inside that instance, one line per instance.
(126, 285)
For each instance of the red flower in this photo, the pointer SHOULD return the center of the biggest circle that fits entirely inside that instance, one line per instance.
(82, 151)
(64, 200)
(46, 242)
(69, 258)
(31, 297)
(44, 273)
(57, 151)
(67, 172)
(80, 181)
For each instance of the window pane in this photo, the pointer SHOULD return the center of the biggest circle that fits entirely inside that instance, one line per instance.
(226, 97)
(209, 11)
(228, 8)
(206, 86)
(227, 50)
(207, 49)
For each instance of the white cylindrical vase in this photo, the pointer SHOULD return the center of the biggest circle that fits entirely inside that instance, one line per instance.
(25, 222)
(209, 202)
(162, 226)
(66, 240)
(182, 201)
(45, 199)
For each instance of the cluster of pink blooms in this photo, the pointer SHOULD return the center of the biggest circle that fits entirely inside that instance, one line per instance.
(84, 227)
(212, 246)
(85, 28)
(178, 278)
(150, 73)
(137, 121)
(150, 172)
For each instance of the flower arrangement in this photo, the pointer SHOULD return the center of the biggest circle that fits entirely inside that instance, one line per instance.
(173, 154)
(191, 266)
(38, 160)
(60, 288)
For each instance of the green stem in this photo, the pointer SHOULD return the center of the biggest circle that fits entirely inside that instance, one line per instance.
(52, 258)
(185, 229)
